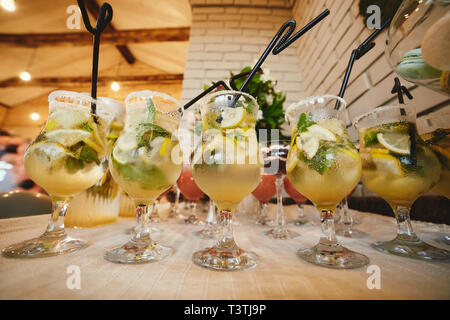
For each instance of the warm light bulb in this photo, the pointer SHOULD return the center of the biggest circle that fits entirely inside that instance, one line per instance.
(8, 5)
(115, 86)
(25, 76)
(35, 116)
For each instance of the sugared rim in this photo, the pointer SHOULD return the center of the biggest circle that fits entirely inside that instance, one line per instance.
(373, 111)
(119, 107)
(312, 98)
(149, 93)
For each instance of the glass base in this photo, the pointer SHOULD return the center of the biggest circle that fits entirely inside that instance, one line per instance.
(281, 233)
(152, 230)
(207, 233)
(354, 233)
(300, 222)
(193, 219)
(445, 240)
(222, 259)
(46, 245)
(412, 249)
(264, 221)
(138, 252)
(336, 257)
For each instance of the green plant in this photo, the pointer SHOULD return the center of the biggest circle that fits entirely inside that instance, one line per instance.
(270, 101)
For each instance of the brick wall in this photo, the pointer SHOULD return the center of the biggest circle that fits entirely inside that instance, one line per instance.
(324, 53)
(227, 35)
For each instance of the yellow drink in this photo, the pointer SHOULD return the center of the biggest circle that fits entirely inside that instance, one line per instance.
(398, 178)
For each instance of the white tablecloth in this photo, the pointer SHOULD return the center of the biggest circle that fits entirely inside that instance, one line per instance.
(280, 275)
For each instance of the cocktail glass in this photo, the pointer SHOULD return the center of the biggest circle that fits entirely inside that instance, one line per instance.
(399, 167)
(299, 199)
(324, 166)
(226, 167)
(191, 192)
(265, 191)
(145, 162)
(275, 163)
(66, 158)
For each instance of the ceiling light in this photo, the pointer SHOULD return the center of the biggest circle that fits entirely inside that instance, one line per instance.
(115, 86)
(25, 76)
(35, 116)
(8, 5)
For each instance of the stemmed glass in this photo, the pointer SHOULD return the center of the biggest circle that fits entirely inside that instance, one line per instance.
(265, 191)
(299, 200)
(210, 231)
(346, 221)
(324, 166)
(417, 43)
(227, 168)
(145, 162)
(66, 158)
(399, 167)
(275, 163)
(435, 131)
(191, 192)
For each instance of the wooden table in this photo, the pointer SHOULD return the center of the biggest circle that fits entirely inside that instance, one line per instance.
(280, 275)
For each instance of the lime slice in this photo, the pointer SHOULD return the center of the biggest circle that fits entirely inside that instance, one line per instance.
(232, 117)
(67, 137)
(321, 133)
(69, 119)
(292, 159)
(395, 142)
(386, 163)
(50, 151)
(163, 148)
(127, 142)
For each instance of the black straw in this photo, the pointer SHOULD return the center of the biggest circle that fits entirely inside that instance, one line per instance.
(357, 53)
(103, 20)
(400, 89)
(204, 93)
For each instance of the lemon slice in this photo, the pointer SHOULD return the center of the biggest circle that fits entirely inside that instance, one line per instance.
(94, 145)
(52, 151)
(334, 125)
(395, 142)
(353, 154)
(69, 118)
(386, 163)
(96, 134)
(321, 133)
(67, 137)
(232, 117)
(163, 148)
(292, 159)
(116, 125)
(119, 156)
(127, 142)
(309, 143)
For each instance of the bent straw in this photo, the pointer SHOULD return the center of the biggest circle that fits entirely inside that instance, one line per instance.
(204, 93)
(102, 21)
(357, 53)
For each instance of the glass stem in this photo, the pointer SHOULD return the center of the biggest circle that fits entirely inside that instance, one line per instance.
(226, 238)
(211, 218)
(347, 219)
(301, 212)
(192, 208)
(280, 222)
(177, 200)
(404, 231)
(328, 233)
(142, 230)
(154, 215)
(55, 227)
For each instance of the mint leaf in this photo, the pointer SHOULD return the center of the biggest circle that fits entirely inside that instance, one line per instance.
(73, 164)
(86, 126)
(151, 110)
(148, 176)
(88, 154)
(370, 138)
(305, 121)
(322, 160)
(148, 131)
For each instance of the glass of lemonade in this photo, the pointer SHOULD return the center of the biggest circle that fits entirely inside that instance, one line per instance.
(100, 203)
(324, 166)
(66, 158)
(227, 167)
(399, 167)
(145, 162)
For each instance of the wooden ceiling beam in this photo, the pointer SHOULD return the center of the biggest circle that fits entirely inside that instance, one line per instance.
(72, 39)
(94, 8)
(3, 105)
(104, 80)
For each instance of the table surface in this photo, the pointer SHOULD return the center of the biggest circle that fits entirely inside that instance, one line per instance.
(280, 275)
